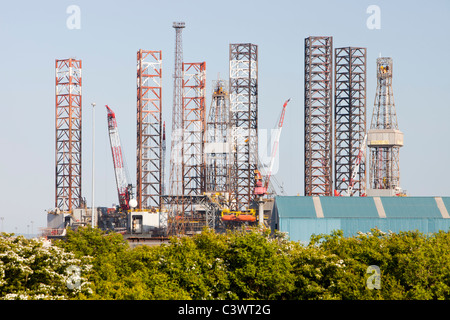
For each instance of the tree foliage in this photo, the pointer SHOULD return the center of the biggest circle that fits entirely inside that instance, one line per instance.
(240, 264)
(34, 269)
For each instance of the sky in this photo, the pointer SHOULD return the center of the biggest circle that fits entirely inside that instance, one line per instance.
(106, 35)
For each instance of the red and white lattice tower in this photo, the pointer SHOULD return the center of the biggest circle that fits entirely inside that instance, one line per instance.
(149, 130)
(68, 134)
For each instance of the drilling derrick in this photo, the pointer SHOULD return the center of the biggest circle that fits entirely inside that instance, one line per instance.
(384, 140)
(217, 146)
(318, 115)
(244, 118)
(68, 135)
(350, 120)
(149, 130)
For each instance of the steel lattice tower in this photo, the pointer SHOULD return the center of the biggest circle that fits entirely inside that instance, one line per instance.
(218, 138)
(149, 129)
(244, 118)
(68, 134)
(384, 139)
(350, 119)
(176, 158)
(318, 115)
(194, 124)
(176, 210)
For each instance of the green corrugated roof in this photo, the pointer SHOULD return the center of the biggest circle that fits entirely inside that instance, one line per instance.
(409, 207)
(348, 207)
(297, 215)
(292, 206)
(446, 201)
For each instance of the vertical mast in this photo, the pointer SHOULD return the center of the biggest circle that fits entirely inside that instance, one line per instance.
(244, 117)
(149, 129)
(194, 122)
(176, 158)
(68, 134)
(318, 115)
(176, 221)
(350, 120)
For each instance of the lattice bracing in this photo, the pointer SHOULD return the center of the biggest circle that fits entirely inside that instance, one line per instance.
(68, 134)
(318, 115)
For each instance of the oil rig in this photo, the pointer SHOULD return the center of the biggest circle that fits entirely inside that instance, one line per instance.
(215, 178)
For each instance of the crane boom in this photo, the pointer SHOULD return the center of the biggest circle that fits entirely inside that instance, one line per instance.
(120, 169)
(261, 190)
(361, 153)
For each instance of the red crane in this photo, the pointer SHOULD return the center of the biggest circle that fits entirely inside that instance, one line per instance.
(124, 189)
(261, 189)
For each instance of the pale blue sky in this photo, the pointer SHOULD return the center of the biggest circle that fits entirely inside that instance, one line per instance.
(34, 33)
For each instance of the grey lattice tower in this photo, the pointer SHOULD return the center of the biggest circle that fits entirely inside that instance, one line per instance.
(176, 219)
(384, 139)
(176, 159)
(244, 117)
(318, 115)
(350, 120)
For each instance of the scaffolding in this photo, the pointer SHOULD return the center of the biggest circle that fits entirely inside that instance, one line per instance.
(350, 119)
(318, 116)
(68, 135)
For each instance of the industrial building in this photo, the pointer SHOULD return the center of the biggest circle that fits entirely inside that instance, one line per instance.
(215, 177)
(301, 217)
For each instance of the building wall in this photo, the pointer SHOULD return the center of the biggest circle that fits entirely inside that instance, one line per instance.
(353, 215)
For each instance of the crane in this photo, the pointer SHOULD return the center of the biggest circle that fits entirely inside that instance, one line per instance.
(361, 153)
(261, 189)
(351, 183)
(124, 188)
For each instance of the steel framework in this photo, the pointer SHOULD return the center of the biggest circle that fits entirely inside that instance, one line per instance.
(176, 224)
(194, 124)
(218, 137)
(68, 134)
(176, 158)
(149, 129)
(349, 119)
(384, 138)
(244, 117)
(318, 115)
